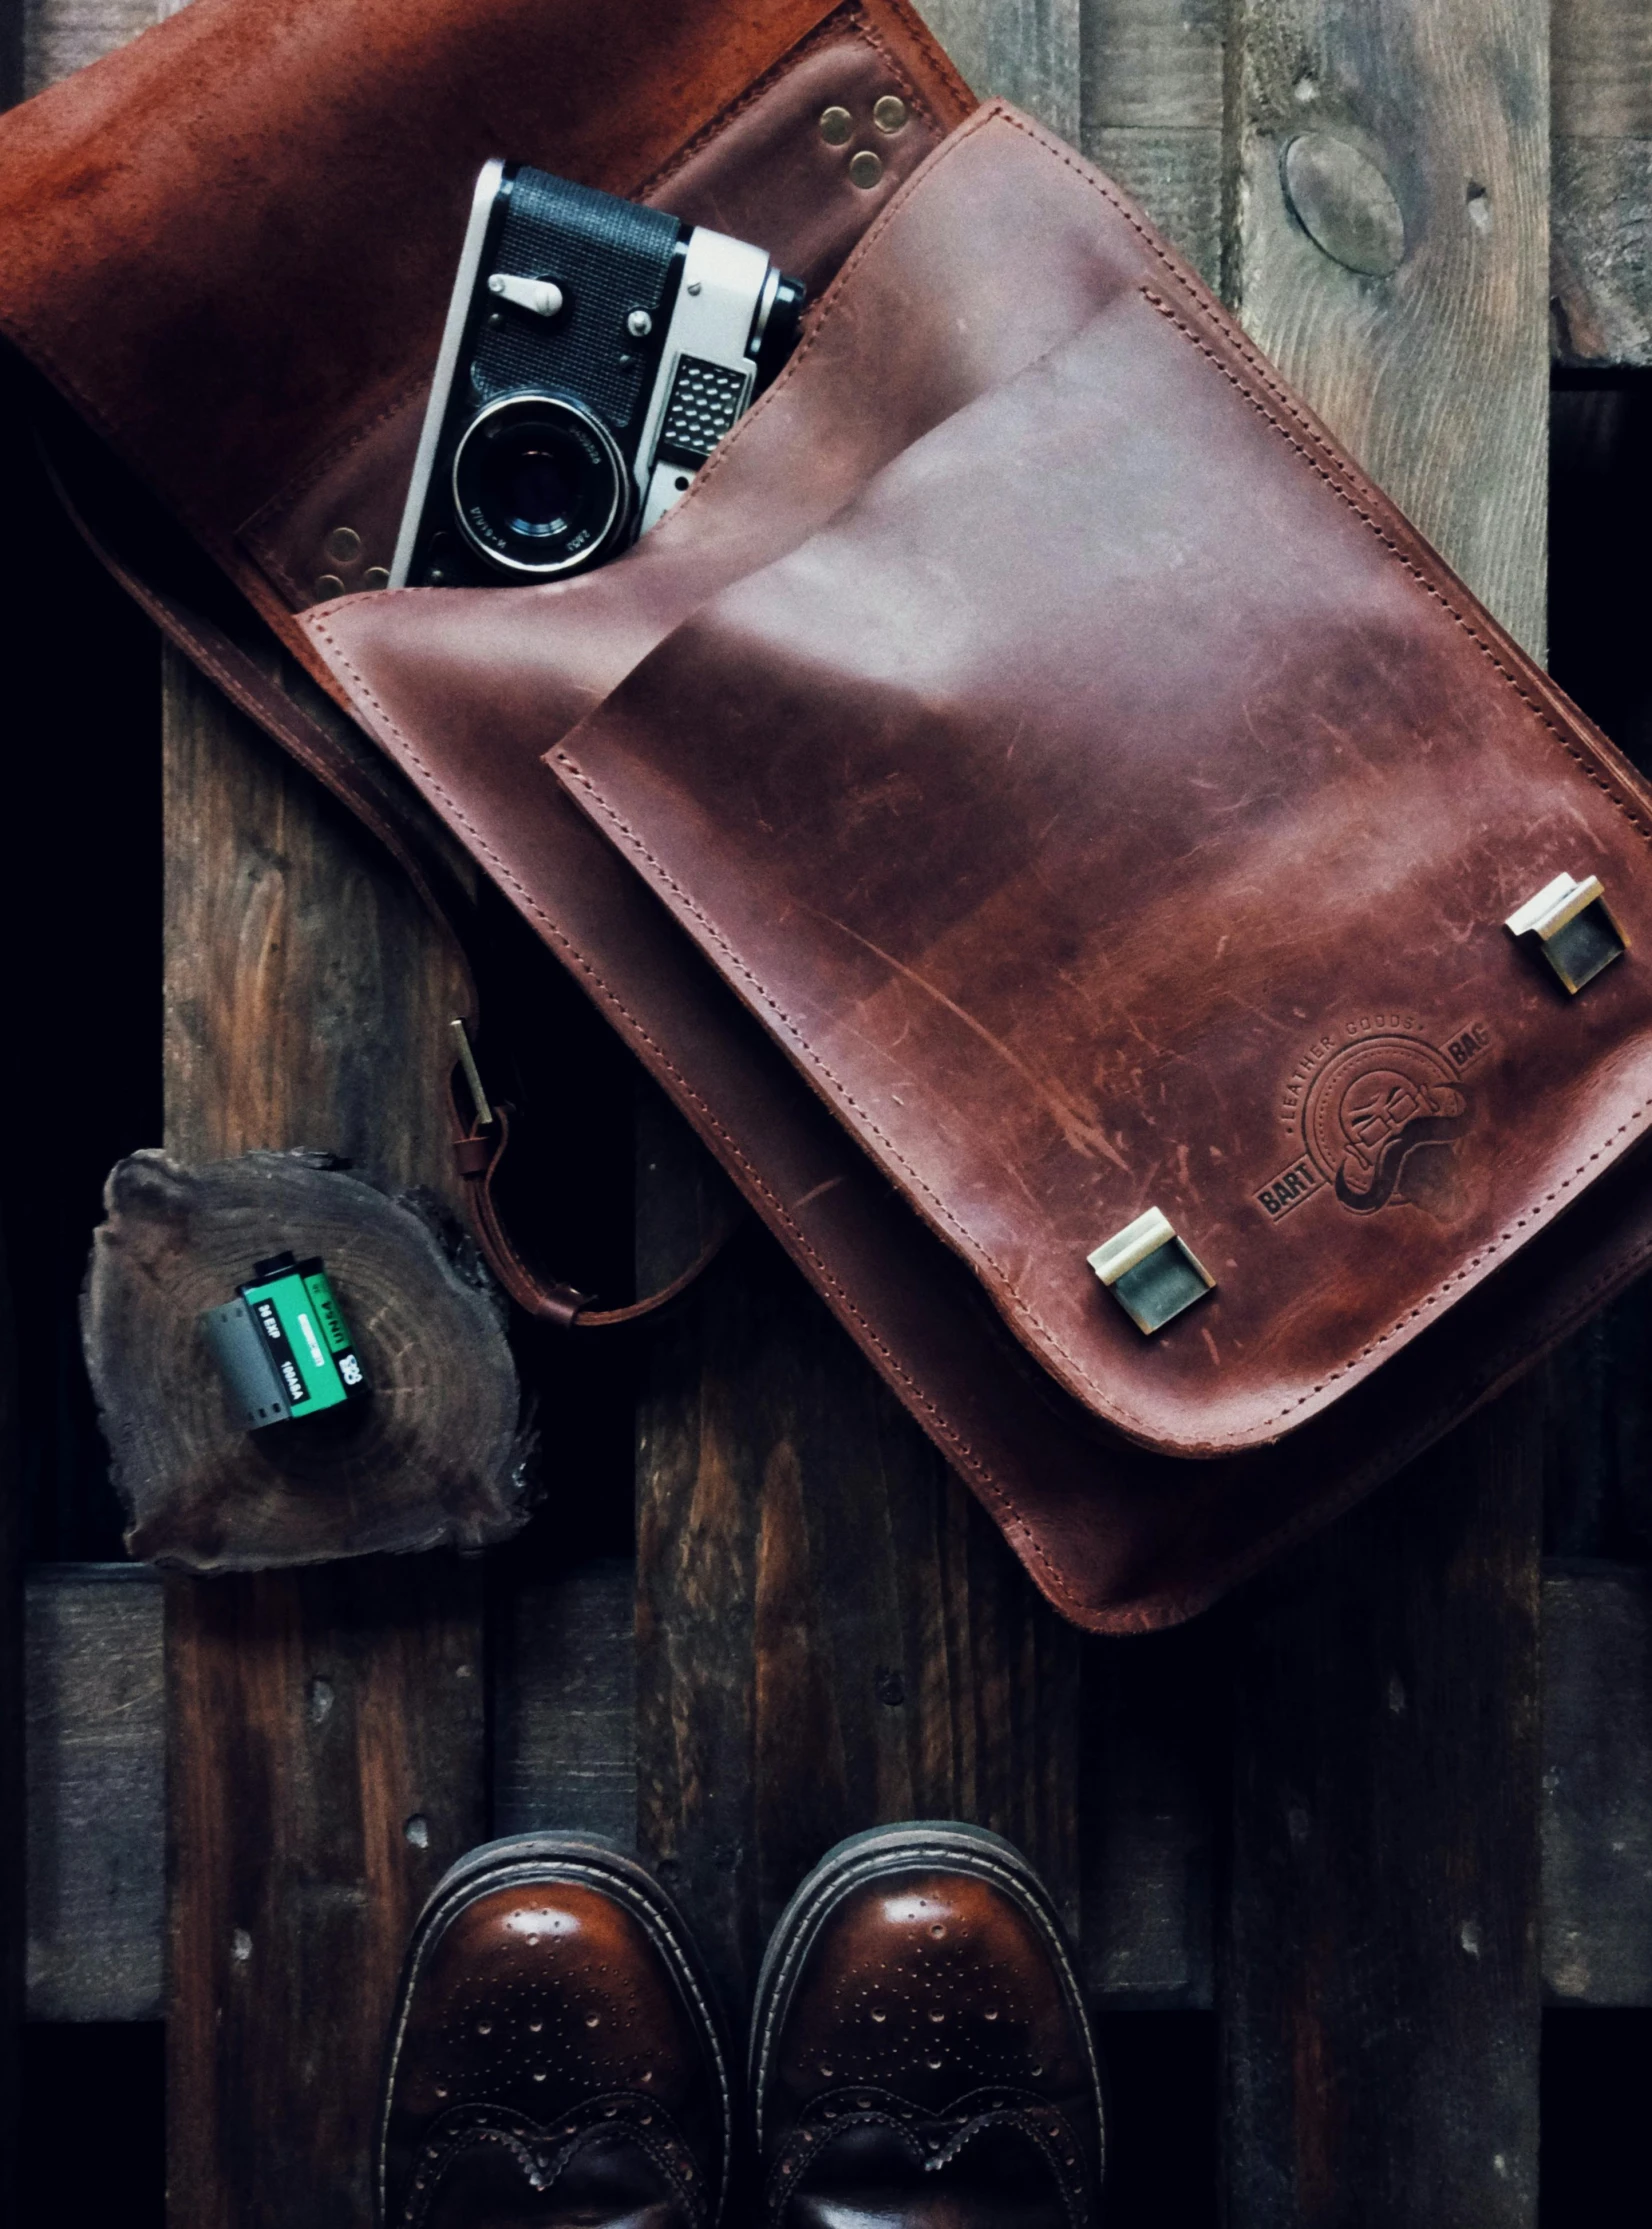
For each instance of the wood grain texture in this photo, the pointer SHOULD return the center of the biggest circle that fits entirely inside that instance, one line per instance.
(1597, 1787)
(434, 1457)
(1153, 1767)
(1152, 1788)
(1379, 1964)
(61, 36)
(308, 997)
(830, 1633)
(327, 1744)
(1602, 246)
(1153, 113)
(1378, 1975)
(1437, 376)
(96, 1793)
(564, 1686)
(324, 1767)
(1026, 51)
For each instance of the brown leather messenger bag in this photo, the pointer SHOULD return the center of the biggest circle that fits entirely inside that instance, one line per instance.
(1166, 965)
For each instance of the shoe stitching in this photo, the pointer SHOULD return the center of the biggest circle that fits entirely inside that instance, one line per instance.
(837, 1882)
(1025, 2113)
(613, 1883)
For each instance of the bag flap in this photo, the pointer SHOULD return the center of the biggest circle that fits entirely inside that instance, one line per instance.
(1115, 799)
(1114, 809)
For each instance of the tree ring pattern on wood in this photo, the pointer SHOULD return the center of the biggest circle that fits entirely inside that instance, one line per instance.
(1343, 203)
(437, 1457)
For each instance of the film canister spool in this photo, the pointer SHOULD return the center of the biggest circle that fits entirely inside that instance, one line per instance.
(283, 1345)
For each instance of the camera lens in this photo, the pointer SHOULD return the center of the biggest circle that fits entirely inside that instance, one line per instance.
(539, 485)
(528, 484)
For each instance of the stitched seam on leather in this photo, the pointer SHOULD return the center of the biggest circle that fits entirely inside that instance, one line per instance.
(829, 29)
(932, 50)
(1494, 1246)
(864, 249)
(943, 1856)
(969, 1245)
(862, 252)
(842, 23)
(1109, 1399)
(809, 2144)
(972, 1246)
(611, 1883)
(961, 1452)
(281, 505)
(1573, 750)
(545, 2160)
(1186, 282)
(915, 100)
(1487, 1253)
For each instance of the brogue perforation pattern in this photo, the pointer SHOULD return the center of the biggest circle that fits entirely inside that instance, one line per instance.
(935, 2141)
(543, 2154)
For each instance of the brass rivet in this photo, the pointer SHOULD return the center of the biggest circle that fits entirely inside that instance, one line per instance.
(865, 169)
(836, 126)
(344, 545)
(377, 576)
(328, 586)
(889, 114)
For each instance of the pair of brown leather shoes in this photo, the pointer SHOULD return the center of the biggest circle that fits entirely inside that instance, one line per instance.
(920, 2056)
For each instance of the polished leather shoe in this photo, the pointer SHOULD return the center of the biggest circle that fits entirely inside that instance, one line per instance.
(555, 2058)
(920, 2053)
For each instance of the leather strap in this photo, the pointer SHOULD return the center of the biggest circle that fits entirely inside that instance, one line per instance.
(479, 1151)
(479, 1145)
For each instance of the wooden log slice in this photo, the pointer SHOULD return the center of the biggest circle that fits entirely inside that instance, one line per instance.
(436, 1456)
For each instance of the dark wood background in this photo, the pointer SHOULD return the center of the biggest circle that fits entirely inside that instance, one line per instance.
(1330, 1852)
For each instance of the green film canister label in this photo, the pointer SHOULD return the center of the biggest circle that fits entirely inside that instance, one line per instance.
(333, 1329)
(290, 1320)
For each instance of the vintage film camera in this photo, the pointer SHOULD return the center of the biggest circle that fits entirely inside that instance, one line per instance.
(595, 353)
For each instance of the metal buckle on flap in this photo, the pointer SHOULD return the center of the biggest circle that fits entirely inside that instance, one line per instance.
(1150, 1272)
(1575, 929)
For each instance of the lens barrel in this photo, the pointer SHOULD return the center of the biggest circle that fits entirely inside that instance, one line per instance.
(539, 485)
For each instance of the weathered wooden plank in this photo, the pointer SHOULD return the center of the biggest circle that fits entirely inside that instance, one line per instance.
(1152, 1785)
(564, 1685)
(1027, 51)
(61, 36)
(1597, 1785)
(1153, 113)
(830, 1633)
(326, 1728)
(325, 1765)
(96, 1792)
(1378, 1980)
(1602, 249)
(1435, 374)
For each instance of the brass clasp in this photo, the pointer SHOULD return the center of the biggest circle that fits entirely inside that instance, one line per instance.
(1575, 929)
(1150, 1272)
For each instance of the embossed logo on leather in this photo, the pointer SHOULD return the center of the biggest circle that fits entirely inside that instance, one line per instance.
(1377, 1110)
